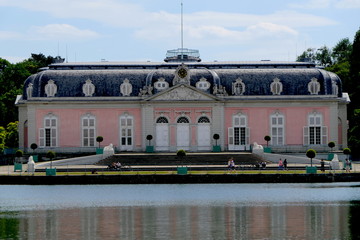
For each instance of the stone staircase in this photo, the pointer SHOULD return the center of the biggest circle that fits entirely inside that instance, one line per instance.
(171, 159)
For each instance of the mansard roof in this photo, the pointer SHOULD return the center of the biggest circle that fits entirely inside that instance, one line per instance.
(107, 78)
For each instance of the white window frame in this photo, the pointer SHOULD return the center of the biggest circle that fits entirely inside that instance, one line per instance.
(126, 87)
(315, 133)
(126, 123)
(276, 87)
(277, 129)
(239, 133)
(238, 87)
(88, 131)
(48, 135)
(203, 84)
(314, 87)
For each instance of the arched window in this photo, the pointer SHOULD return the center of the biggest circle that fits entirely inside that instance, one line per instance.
(126, 88)
(204, 119)
(238, 87)
(314, 86)
(88, 125)
(162, 120)
(50, 88)
(276, 87)
(183, 120)
(48, 134)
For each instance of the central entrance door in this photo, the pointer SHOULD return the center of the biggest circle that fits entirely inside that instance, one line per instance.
(162, 134)
(183, 133)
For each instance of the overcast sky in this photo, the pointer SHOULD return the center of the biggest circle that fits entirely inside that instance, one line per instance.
(143, 30)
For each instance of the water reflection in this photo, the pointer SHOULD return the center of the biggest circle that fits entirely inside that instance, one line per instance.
(333, 221)
(258, 211)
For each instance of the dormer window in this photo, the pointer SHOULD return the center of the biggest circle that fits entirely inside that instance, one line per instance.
(203, 84)
(50, 88)
(238, 87)
(126, 88)
(276, 87)
(88, 88)
(161, 84)
(314, 86)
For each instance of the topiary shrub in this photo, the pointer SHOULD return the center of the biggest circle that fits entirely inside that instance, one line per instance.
(267, 138)
(311, 153)
(99, 139)
(331, 145)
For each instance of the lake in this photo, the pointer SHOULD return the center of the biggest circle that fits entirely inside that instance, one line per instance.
(181, 211)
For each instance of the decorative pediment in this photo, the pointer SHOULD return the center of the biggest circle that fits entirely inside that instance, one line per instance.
(184, 93)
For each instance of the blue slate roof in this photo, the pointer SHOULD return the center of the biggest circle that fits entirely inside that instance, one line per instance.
(107, 77)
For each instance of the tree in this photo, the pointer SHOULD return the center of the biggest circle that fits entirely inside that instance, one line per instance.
(149, 138)
(331, 145)
(2, 139)
(216, 138)
(307, 56)
(181, 154)
(12, 135)
(342, 50)
(311, 153)
(51, 155)
(267, 139)
(323, 56)
(99, 139)
(19, 154)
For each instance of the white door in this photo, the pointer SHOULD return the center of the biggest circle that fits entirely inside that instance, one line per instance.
(203, 136)
(126, 133)
(183, 136)
(162, 137)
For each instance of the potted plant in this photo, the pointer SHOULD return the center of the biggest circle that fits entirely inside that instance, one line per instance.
(216, 148)
(267, 138)
(149, 148)
(181, 154)
(99, 150)
(34, 146)
(331, 145)
(52, 171)
(347, 152)
(17, 162)
(311, 153)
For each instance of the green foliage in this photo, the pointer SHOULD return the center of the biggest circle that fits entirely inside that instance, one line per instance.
(311, 153)
(181, 153)
(51, 155)
(99, 139)
(331, 144)
(2, 139)
(216, 138)
(342, 51)
(347, 151)
(149, 138)
(12, 135)
(19, 153)
(33, 146)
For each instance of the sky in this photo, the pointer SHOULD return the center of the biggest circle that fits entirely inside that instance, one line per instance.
(143, 30)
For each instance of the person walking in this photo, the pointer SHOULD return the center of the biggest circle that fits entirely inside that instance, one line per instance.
(281, 164)
(285, 164)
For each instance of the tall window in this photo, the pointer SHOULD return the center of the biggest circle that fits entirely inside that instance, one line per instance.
(238, 135)
(315, 133)
(126, 132)
(48, 134)
(277, 129)
(88, 131)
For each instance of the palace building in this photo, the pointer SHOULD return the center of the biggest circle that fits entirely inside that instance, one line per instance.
(182, 102)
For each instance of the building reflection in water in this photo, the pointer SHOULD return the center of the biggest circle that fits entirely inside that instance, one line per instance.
(316, 221)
